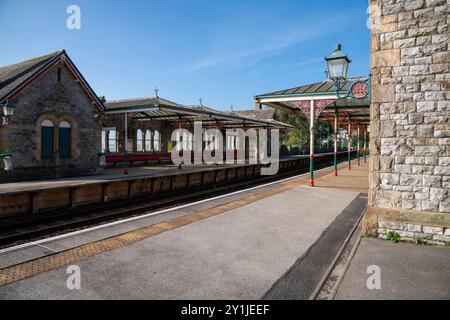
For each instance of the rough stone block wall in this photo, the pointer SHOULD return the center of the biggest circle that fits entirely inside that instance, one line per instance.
(46, 98)
(414, 232)
(410, 111)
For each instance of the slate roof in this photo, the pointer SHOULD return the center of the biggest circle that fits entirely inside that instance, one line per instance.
(139, 102)
(356, 107)
(152, 107)
(268, 113)
(324, 87)
(14, 75)
(14, 78)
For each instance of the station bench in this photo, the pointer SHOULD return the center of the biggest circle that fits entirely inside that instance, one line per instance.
(113, 160)
(57, 197)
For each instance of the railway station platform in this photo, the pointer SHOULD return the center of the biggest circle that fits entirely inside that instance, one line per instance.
(33, 197)
(407, 271)
(242, 245)
(117, 174)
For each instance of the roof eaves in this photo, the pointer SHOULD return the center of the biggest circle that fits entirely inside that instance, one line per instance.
(28, 74)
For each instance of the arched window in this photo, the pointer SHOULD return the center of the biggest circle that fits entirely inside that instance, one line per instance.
(148, 140)
(231, 143)
(156, 141)
(139, 141)
(47, 138)
(206, 141)
(190, 141)
(65, 139)
(187, 141)
(112, 140)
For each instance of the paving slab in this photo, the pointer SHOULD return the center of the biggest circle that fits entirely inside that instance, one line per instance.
(407, 271)
(14, 256)
(235, 255)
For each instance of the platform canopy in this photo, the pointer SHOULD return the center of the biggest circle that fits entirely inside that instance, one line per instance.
(156, 108)
(356, 105)
(343, 102)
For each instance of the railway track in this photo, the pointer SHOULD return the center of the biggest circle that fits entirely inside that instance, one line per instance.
(27, 228)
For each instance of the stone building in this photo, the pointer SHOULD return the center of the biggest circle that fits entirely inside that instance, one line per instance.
(54, 131)
(410, 120)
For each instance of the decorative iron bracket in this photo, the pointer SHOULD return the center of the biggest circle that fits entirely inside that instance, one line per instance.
(359, 90)
(305, 107)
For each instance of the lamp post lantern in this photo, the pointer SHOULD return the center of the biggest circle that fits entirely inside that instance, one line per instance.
(338, 63)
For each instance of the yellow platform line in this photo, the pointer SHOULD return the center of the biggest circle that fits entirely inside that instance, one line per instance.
(60, 259)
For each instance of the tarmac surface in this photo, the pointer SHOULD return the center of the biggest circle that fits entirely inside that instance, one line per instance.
(237, 254)
(407, 272)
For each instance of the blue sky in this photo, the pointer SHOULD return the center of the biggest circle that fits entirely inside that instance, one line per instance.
(225, 51)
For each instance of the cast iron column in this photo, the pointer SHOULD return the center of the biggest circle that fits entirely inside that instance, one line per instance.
(335, 143)
(349, 143)
(311, 145)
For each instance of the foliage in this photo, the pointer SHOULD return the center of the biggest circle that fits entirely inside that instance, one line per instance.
(393, 236)
(420, 241)
(300, 138)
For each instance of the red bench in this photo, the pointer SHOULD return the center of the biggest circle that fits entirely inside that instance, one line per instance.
(145, 158)
(115, 159)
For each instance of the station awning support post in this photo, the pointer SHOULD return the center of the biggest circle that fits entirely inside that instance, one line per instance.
(365, 144)
(311, 145)
(358, 149)
(349, 142)
(335, 143)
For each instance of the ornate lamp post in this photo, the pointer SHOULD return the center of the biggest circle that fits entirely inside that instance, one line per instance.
(338, 63)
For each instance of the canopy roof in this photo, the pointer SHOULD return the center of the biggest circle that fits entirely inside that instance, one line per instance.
(152, 108)
(268, 113)
(357, 109)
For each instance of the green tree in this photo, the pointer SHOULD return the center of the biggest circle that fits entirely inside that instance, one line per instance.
(300, 138)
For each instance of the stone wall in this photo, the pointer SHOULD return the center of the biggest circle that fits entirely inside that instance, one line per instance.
(414, 232)
(48, 98)
(410, 111)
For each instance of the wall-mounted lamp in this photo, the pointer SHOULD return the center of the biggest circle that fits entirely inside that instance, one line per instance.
(8, 111)
(7, 162)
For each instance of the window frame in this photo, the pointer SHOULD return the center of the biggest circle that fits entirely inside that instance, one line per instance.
(112, 138)
(156, 142)
(148, 140)
(139, 141)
